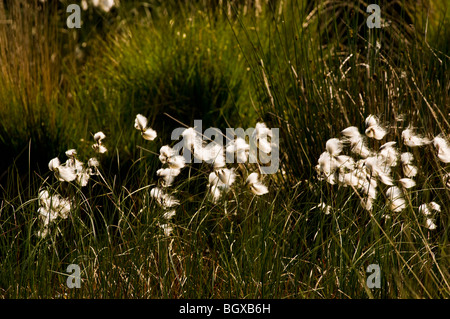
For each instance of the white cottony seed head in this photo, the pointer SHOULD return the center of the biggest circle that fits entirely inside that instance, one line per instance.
(396, 200)
(443, 148)
(165, 152)
(407, 182)
(99, 136)
(65, 173)
(374, 129)
(255, 185)
(163, 199)
(351, 132)
(430, 224)
(428, 208)
(54, 164)
(93, 162)
(413, 140)
(371, 120)
(407, 158)
(71, 153)
(149, 134)
(334, 146)
(99, 148)
(176, 162)
(140, 123)
(169, 214)
(226, 176)
(168, 175)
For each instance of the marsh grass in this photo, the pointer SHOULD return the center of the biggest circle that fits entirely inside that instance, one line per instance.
(232, 68)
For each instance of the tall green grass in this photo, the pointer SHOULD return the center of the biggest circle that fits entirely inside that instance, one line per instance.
(313, 80)
(230, 67)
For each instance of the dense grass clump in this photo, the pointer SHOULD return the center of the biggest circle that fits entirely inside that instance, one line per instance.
(85, 180)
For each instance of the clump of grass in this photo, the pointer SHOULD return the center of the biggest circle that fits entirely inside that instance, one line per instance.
(313, 90)
(39, 56)
(30, 65)
(184, 71)
(305, 85)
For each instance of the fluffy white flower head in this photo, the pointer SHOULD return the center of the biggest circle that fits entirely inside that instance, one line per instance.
(140, 123)
(407, 182)
(149, 134)
(388, 154)
(443, 148)
(238, 147)
(226, 176)
(71, 153)
(163, 199)
(255, 185)
(397, 202)
(413, 140)
(99, 137)
(374, 129)
(165, 152)
(54, 164)
(429, 223)
(351, 132)
(260, 136)
(168, 175)
(176, 161)
(334, 146)
(99, 148)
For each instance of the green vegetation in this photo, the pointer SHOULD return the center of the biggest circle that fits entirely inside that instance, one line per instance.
(309, 68)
